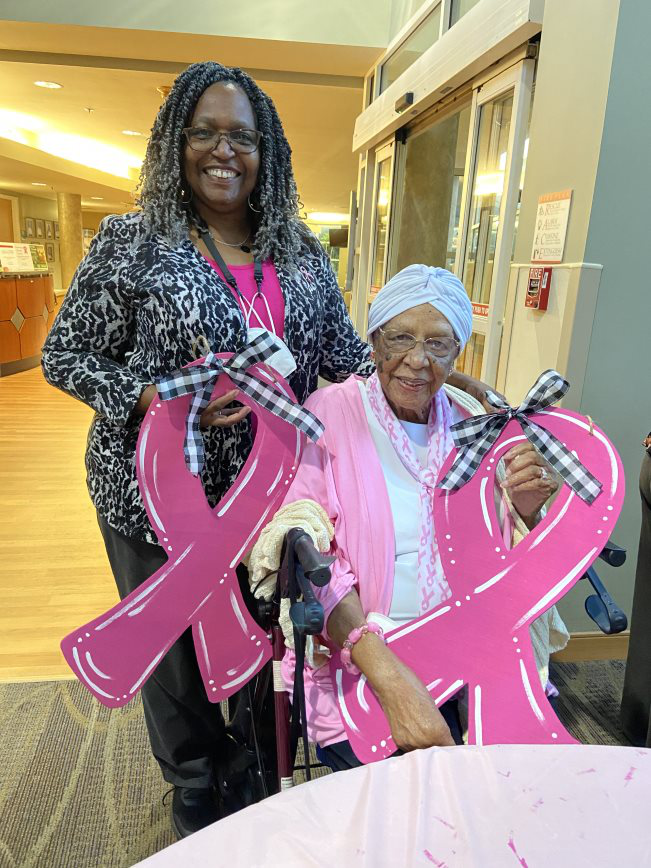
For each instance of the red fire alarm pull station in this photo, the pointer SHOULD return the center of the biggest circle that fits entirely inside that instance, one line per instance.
(538, 288)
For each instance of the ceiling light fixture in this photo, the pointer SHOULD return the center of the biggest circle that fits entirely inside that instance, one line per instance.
(328, 217)
(52, 85)
(97, 198)
(131, 133)
(38, 184)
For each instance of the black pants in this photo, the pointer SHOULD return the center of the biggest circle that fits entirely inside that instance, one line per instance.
(636, 701)
(340, 756)
(185, 729)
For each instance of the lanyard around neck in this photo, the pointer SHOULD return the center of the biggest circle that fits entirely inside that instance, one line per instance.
(208, 240)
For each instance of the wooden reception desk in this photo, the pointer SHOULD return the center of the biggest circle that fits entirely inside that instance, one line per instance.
(26, 314)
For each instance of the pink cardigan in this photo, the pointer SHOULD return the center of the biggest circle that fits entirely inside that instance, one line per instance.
(343, 468)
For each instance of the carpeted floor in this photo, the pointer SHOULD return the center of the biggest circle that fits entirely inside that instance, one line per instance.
(79, 788)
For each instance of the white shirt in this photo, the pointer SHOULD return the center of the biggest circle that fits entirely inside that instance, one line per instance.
(404, 499)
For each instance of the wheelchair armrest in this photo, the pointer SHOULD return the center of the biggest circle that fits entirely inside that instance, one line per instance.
(613, 554)
(601, 607)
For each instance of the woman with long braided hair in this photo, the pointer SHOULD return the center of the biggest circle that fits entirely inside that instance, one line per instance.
(215, 251)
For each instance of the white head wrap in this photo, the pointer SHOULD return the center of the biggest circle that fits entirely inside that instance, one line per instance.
(424, 284)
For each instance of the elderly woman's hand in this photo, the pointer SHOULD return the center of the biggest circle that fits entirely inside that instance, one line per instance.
(530, 481)
(220, 415)
(415, 721)
(475, 388)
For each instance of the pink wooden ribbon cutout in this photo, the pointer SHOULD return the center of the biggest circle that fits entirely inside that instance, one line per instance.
(113, 655)
(480, 637)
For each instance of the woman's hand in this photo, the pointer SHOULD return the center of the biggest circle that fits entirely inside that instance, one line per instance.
(216, 414)
(415, 721)
(475, 388)
(219, 415)
(530, 481)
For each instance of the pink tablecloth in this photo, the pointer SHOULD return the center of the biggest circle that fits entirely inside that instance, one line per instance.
(471, 807)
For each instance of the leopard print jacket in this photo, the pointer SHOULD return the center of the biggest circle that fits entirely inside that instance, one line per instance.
(134, 311)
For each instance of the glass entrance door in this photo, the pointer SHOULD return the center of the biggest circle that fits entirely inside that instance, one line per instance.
(381, 213)
(430, 175)
(498, 130)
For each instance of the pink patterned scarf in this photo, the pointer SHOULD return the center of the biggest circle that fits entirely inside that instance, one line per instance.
(432, 584)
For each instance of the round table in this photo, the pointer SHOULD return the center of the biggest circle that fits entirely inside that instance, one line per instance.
(511, 805)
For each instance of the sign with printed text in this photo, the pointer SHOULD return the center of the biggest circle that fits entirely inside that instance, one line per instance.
(551, 227)
(479, 309)
(22, 258)
(15, 258)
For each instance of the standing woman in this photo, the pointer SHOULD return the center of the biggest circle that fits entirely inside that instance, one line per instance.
(216, 249)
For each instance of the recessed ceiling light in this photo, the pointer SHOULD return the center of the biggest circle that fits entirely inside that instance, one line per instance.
(97, 198)
(53, 85)
(38, 184)
(131, 133)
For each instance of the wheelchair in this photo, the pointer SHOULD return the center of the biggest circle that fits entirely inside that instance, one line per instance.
(264, 728)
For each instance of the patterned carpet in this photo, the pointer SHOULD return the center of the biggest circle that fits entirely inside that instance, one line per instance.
(79, 788)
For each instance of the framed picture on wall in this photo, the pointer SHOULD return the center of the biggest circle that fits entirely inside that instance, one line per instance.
(40, 228)
(29, 227)
(49, 251)
(56, 230)
(49, 229)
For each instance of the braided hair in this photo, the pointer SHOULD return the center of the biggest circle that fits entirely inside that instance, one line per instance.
(279, 232)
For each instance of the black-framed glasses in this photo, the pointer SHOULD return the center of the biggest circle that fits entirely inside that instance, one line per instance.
(241, 141)
(435, 348)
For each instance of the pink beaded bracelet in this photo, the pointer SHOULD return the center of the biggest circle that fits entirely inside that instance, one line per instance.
(353, 637)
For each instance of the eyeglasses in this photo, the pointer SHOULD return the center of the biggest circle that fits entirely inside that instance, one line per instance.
(435, 348)
(241, 141)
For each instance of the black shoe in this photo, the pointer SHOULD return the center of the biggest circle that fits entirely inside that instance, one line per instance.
(193, 809)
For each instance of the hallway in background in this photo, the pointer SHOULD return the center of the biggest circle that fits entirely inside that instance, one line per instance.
(54, 574)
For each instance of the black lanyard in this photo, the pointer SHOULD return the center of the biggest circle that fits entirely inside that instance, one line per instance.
(208, 240)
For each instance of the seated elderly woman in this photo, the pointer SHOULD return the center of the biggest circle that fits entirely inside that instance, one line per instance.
(384, 438)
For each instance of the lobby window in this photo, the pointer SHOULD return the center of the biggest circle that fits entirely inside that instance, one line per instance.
(427, 226)
(416, 44)
(459, 8)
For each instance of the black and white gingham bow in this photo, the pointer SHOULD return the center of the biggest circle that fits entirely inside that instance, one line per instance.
(199, 381)
(474, 437)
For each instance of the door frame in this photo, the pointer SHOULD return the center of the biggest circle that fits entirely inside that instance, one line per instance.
(519, 79)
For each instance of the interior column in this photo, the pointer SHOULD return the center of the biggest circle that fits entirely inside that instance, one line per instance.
(71, 246)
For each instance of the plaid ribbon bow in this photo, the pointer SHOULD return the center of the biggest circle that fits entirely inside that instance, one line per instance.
(199, 380)
(475, 436)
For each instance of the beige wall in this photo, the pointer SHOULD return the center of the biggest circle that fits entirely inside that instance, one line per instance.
(590, 132)
(568, 114)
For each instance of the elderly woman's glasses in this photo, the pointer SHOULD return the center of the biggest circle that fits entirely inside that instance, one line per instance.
(435, 348)
(240, 141)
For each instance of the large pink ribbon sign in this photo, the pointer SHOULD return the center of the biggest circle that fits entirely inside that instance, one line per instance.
(479, 637)
(113, 655)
